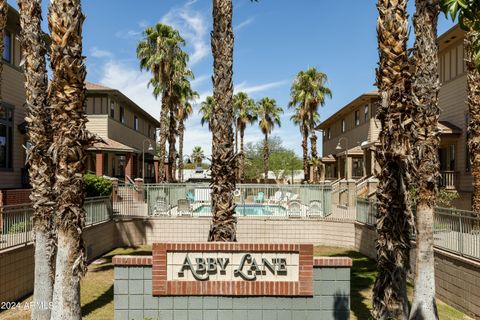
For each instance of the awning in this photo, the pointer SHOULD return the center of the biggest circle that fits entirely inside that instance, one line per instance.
(355, 151)
(112, 145)
(446, 128)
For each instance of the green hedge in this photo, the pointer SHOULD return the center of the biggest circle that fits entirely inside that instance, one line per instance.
(20, 227)
(97, 186)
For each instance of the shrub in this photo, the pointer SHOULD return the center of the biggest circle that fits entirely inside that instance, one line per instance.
(20, 227)
(97, 186)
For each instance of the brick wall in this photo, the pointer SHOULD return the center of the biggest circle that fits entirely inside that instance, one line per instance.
(14, 196)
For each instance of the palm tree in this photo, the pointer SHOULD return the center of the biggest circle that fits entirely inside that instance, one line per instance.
(70, 140)
(394, 216)
(299, 119)
(41, 169)
(308, 92)
(223, 227)
(184, 110)
(269, 115)
(468, 13)
(160, 53)
(425, 89)
(206, 110)
(3, 24)
(245, 115)
(197, 156)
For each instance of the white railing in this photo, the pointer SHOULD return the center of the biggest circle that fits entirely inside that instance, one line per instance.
(16, 220)
(448, 180)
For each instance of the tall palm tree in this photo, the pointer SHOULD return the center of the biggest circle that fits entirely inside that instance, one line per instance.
(308, 92)
(3, 24)
(206, 110)
(197, 156)
(41, 169)
(300, 119)
(269, 115)
(223, 227)
(184, 110)
(70, 140)
(160, 53)
(394, 155)
(245, 115)
(425, 89)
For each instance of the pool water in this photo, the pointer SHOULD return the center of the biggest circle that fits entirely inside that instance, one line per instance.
(249, 210)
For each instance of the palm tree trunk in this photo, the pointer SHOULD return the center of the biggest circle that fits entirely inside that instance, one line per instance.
(224, 223)
(313, 142)
(425, 88)
(3, 24)
(70, 140)
(473, 79)
(394, 155)
(237, 173)
(171, 145)
(242, 159)
(163, 137)
(305, 151)
(41, 168)
(181, 132)
(265, 159)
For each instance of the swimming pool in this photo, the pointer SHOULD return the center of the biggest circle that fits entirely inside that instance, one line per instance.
(249, 210)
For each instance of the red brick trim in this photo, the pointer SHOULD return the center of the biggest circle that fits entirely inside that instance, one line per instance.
(162, 287)
(132, 260)
(334, 262)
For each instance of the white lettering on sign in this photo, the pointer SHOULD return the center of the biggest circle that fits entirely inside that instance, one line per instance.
(205, 266)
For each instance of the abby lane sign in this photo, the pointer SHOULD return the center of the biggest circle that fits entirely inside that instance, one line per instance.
(232, 269)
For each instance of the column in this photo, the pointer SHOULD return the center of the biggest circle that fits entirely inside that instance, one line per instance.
(155, 163)
(348, 163)
(99, 158)
(128, 166)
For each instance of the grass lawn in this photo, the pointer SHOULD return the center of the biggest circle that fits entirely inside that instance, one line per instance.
(97, 287)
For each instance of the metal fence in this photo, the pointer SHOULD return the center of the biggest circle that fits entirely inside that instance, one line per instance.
(16, 220)
(250, 199)
(457, 231)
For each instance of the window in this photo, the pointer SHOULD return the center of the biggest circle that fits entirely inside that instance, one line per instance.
(344, 128)
(365, 112)
(122, 114)
(7, 49)
(329, 134)
(135, 122)
(357, 118)
(357, 167)
(6, 136)
(112, 110)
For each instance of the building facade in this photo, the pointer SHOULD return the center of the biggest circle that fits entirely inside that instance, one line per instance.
(350, 136)
(128, 133)
(12, 111)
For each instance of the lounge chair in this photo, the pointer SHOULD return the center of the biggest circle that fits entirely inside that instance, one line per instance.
(161, 207)
(315, 209)
(276, 198)
(184, 208)
(294, 209)
(190, 197)
(260, 198)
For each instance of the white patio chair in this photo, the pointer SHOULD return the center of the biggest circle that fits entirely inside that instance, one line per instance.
(294, 209)
(315, 210)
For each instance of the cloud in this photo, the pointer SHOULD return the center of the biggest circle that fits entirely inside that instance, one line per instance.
(99, 53)
(243, 87)
(131, 82)
(243, 24)
(192, 26)
(127, 34)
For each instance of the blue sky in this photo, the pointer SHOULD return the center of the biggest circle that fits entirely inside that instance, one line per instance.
(273, 41)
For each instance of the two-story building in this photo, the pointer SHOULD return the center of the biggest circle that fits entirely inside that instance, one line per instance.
(127, 130)
(350, 136)
(12, 111)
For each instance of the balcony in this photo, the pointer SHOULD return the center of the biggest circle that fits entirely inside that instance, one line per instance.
(448, 180)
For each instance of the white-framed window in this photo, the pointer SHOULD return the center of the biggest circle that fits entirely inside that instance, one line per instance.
(357, 118)
(7, 47)
(112, 109)
(366, 112)
(122, 114)
(6, 136)
(344, 126)
(135, 122)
